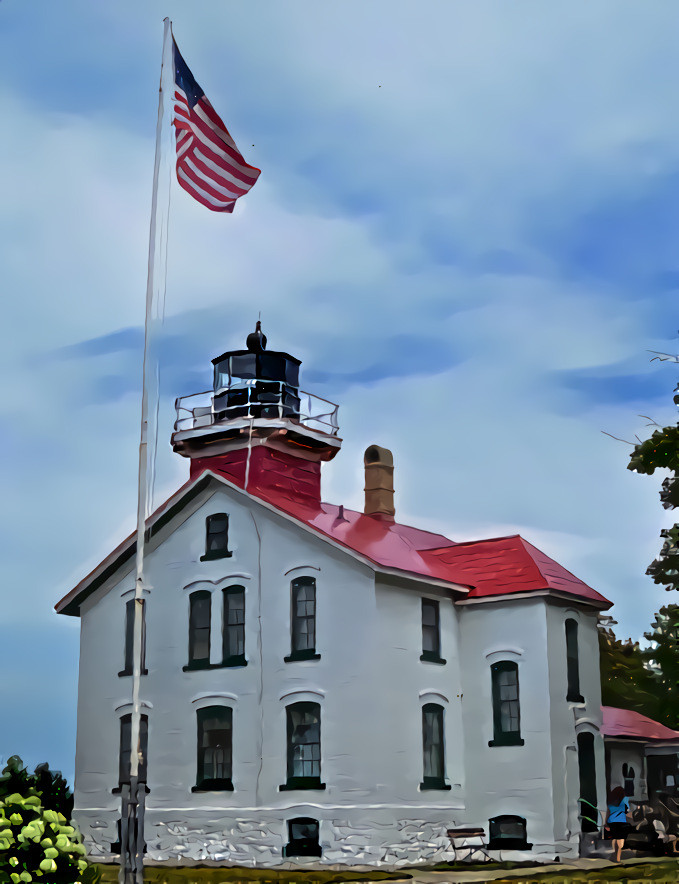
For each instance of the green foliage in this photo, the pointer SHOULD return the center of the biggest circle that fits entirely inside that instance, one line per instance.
(626, 681)
(661, 451)
(38, 844)
(663, 660)
(50, 785)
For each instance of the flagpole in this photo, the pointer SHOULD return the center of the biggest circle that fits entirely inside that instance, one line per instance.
(132, 828)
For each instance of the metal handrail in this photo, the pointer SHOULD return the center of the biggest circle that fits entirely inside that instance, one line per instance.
(188, 406)
(598, 821)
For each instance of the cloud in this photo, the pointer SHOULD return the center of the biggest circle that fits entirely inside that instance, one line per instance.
(465, 228)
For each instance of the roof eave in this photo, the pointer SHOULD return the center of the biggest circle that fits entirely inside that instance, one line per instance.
(540, 593)
(70, 603)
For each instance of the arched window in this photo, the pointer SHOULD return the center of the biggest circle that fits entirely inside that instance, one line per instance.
(573, 662)
(216, 537)
(233, 630)
(589, 819)
(215, 728)
(126, 748)
(431, 631)
(506, 711)
(303, 619)
(199, 629)
(628, 779)
(433, 747)
(304, 746)
(129, 638)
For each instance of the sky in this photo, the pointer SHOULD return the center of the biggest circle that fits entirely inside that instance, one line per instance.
(466, 226)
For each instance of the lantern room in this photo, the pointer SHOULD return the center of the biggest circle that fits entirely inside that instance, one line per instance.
(255, 403)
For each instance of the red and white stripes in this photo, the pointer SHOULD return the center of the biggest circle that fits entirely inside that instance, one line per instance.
(209, 165)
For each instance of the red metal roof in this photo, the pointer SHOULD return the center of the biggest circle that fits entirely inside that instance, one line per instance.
(505, 565)
(625, 723)
(494, 567)
(499, 566)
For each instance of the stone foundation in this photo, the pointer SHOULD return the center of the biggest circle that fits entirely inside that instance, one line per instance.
(378, 839)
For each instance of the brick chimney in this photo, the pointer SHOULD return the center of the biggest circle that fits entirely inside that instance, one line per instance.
(379, 482)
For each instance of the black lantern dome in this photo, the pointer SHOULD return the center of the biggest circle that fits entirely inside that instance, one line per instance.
(256, 382)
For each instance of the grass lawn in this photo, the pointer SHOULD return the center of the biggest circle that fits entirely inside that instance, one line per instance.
(635, 873)
(202, 875)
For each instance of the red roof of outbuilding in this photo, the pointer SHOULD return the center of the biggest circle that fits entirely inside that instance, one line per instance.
(625, 723)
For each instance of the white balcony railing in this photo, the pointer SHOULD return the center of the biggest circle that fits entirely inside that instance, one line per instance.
(199, 410)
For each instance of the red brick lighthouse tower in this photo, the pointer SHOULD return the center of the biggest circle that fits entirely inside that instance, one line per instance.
(256, 427)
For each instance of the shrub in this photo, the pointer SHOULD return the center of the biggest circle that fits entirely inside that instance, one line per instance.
(38, 844)
(50, 785)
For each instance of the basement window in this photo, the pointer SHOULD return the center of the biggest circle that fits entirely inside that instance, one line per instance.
(303, 837)
(507, 832)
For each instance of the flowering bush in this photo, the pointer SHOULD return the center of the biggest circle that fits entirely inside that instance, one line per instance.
(37, 844)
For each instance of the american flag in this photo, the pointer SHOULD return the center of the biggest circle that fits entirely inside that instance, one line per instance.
(209, 165)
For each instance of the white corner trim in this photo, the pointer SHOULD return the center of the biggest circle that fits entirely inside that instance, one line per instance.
(128, 706)
(432, 693)
(312, 694)
(504, 653)
(587, 724)
(203, 699)
(130, 592)
(302, 568)
(216, 584)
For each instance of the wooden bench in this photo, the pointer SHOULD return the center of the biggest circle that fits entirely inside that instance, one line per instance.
(467, 842)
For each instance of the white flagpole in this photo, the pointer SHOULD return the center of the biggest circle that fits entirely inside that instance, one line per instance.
(132, 836)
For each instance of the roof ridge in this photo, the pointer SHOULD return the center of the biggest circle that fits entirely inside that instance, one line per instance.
(457, 543)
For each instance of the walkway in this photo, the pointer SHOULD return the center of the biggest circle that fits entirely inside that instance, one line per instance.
(458, 876)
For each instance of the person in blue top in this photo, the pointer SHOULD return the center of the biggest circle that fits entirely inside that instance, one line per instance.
(618, 826)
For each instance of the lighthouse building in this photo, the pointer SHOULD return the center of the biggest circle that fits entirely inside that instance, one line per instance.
(321, 685)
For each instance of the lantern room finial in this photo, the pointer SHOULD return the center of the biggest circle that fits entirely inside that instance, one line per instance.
(256, 340)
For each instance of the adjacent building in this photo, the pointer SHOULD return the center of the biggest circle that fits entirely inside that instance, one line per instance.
(322, 685)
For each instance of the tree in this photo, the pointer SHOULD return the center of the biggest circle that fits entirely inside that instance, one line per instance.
(50, 785)
(661, 451)
(626, 681)
(662, 659)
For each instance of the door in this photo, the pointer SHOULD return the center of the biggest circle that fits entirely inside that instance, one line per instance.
(589, 821)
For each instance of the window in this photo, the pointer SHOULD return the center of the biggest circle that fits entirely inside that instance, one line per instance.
(216, 537)
(233, 631)
(433, 747)
(129, 638)
(628, 779)
(302, 837)
(431, 632)
(506, 715)
(572, 662)
(199, 630)
(125, 748)
(507, 832)
(214, 748)
(304, 746)
(303, 619)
